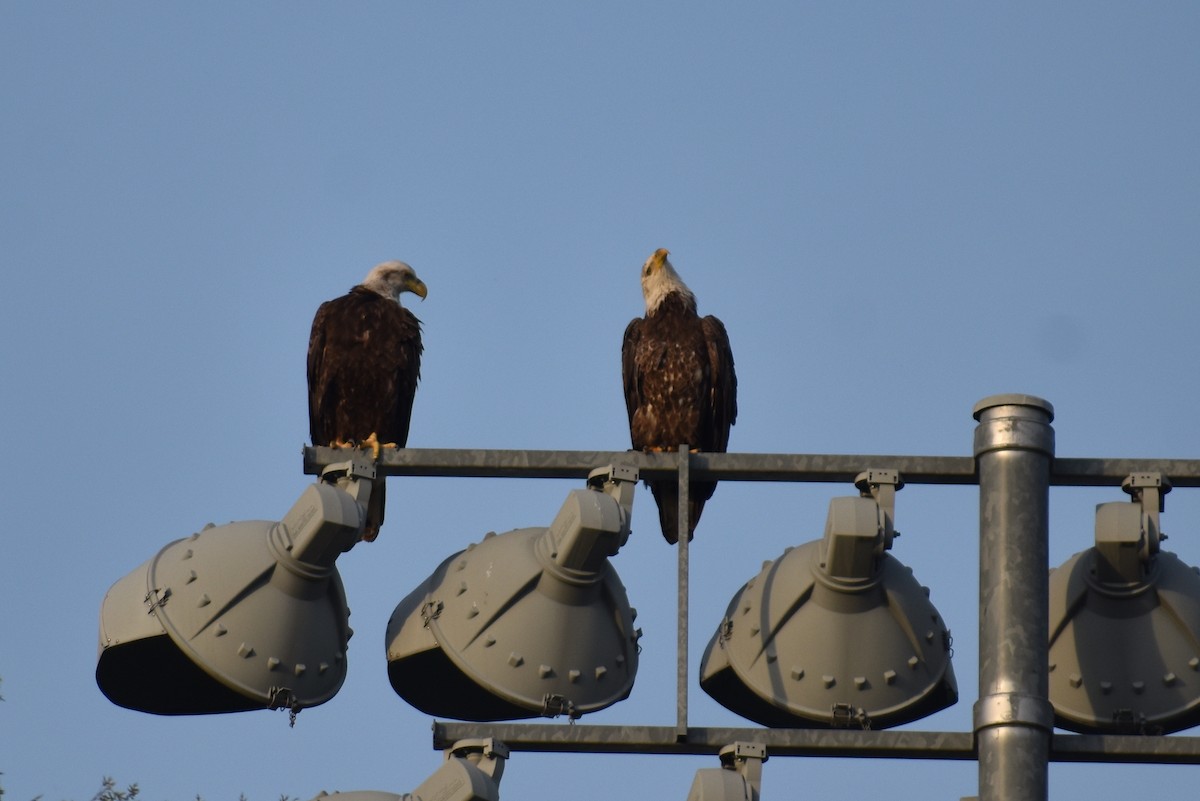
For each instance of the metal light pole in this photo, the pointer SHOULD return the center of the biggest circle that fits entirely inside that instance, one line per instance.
(1014, 448)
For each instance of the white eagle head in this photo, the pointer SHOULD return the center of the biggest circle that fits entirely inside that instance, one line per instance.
(659, 279)
(393, 277)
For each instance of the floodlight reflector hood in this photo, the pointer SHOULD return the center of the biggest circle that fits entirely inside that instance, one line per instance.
(836, 632)
(471, 772)
(528, 623)
(249, 615)
(738, 779)
(1124, 627)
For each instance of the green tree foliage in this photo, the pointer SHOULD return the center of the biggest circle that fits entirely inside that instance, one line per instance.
(110, 792)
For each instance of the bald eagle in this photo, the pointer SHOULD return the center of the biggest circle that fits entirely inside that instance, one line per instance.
(364, 360)
(680, 387)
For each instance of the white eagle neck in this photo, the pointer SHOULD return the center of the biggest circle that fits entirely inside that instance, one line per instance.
(377, 283)
(665, 282)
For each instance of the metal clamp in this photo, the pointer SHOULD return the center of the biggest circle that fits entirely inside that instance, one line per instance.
(882, 485)
(1149, 490)
(1013, 709)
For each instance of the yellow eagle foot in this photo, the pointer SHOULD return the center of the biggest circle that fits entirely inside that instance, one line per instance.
(375, 446)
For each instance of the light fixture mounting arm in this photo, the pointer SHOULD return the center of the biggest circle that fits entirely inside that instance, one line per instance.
(1149, 490)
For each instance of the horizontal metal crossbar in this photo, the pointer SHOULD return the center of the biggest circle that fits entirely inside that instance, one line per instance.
(894, 744)
(821, 468)
(709, 741)
(802, 467)
(1106, 472)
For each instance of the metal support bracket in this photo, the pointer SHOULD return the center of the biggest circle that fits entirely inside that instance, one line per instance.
(746, 759)
(355, 477)
(1149, 490)
(882, 485)
(618, 481)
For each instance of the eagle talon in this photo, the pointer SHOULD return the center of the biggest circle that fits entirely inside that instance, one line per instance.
(371, 443)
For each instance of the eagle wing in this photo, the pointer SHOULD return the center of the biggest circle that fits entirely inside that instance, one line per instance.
(723, 399)
(403, 370)
(630, 375)
(320, 422)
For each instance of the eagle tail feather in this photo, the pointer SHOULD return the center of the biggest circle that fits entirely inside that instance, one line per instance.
(375, 505)
(666, 495)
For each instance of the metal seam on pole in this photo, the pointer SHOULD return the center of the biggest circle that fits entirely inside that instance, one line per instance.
(1013, 709)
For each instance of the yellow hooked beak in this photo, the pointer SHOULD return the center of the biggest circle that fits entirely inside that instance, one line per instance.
(656, 261)
(417, 287)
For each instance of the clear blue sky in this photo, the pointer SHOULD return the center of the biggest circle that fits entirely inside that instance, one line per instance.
(897, 210)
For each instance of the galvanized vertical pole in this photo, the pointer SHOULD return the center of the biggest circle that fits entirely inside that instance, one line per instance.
(681, 657)
(1014, 446)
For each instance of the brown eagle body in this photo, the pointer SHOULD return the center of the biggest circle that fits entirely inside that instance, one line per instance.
(680, 385)
(364, 360)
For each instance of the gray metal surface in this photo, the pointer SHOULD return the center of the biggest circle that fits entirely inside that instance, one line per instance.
(833, 633)
(684, 550)
(583, 738)
(471, 772)
(739, 777)
(1127, 749)
(1001, 710)
(898, 744)
(808, 467)
(1124, 617)
(1014, 445)
(213, 622)
(702, 466)
(551, 633)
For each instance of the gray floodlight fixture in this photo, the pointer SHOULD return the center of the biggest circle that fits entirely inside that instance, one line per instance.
(471, 772)
(738, 779)
(1125, 625)
(248, 615)
(534, 622)
(836, 632)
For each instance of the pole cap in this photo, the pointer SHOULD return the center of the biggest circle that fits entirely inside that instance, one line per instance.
(1013, 399)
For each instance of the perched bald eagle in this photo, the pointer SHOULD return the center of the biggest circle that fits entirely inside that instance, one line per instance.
(364, 360)
(680, 387)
